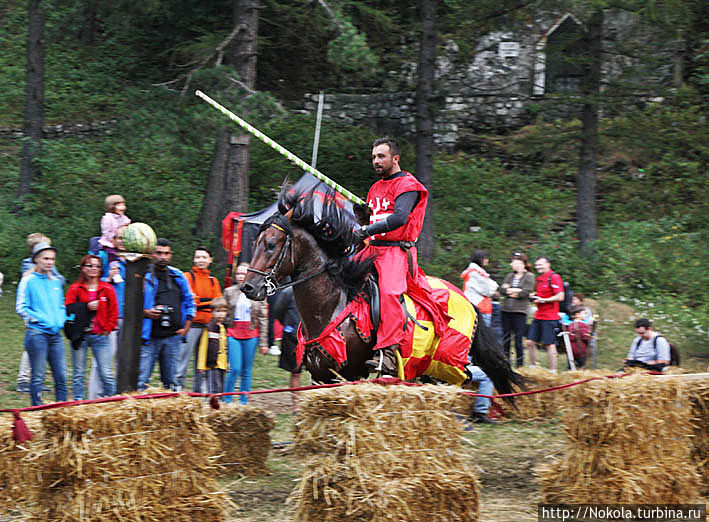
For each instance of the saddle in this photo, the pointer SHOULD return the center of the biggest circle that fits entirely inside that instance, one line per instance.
(422, 350)
(371, 287)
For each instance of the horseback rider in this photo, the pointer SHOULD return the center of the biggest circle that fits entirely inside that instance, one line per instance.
(393, 218)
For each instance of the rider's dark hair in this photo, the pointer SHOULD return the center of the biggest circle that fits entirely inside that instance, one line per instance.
(386, 140)
(321, 213)
(164, 242)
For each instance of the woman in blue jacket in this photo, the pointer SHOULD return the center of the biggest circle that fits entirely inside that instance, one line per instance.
(40, 303)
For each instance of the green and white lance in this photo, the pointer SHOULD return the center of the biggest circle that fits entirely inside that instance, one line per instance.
(285, 152)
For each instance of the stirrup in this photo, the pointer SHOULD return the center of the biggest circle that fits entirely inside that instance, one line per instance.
(377, 366)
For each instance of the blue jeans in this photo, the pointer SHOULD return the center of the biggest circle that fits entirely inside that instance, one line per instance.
(95, 382)
(186, 350)
(101, 348)
(165, 350)
(485, 387)
(42, 347)
(241, 361)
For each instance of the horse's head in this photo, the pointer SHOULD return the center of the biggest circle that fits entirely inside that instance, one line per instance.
(273, 258)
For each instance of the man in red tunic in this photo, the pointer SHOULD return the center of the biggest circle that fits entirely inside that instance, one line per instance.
(397, 206)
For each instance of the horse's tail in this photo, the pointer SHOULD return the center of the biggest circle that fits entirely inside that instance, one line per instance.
(487, 353)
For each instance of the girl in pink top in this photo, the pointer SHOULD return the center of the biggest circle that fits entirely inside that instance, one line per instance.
(114, 218)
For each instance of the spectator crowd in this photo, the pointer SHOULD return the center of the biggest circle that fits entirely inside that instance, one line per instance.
(187, 320)
(540, 308)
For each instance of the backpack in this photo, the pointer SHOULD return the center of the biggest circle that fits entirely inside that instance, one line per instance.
(212, 279)
(674, 353)
(565, 305)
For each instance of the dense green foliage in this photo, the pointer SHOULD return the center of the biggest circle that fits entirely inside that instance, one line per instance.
(652, 177)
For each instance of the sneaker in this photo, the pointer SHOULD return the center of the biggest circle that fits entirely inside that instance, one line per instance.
(482, 418)
(467, 425)
(23, 387)
(274, 350)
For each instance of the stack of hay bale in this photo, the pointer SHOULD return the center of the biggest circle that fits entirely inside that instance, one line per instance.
(545, 405)
(243, 432)
(148, 460)
(376, 452)
(14, 474)
(628, 442)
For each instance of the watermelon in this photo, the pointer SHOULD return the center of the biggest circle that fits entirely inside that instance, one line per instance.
(140, 238)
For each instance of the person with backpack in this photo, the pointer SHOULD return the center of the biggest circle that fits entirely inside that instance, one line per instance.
(649, 349)
(205, 288)
(547, 296)
(168, 310)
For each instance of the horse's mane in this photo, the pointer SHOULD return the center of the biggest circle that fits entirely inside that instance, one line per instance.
(321, 213)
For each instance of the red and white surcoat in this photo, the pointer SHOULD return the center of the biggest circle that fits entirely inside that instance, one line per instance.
(392, 262)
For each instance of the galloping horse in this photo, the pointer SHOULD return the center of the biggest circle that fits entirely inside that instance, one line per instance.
(310, 239)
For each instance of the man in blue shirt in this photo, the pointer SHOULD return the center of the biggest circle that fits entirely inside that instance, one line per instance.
(168, 307)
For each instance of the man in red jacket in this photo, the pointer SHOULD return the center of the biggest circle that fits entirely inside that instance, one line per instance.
(397, 206)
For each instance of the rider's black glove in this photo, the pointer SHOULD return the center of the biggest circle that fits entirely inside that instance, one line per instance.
(360, 234)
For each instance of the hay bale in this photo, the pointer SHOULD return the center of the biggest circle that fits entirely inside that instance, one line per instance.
(16, 478)
(545, 405)
(375, 452)
(137, 459)
(178, 495)
(628, 442)
(243, 433)
(699, 394)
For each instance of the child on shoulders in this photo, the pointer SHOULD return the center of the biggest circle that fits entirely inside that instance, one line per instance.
(114, 218)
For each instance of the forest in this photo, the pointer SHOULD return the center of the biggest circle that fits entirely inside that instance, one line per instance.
(614, 193)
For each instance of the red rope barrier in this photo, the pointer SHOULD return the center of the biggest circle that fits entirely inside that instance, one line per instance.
(21, 433)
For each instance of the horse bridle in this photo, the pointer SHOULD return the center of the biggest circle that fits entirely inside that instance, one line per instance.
(269, 277)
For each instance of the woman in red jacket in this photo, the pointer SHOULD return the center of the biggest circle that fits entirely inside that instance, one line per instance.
(102, 306)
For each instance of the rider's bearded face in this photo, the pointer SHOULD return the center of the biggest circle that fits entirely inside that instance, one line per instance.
(383, 162)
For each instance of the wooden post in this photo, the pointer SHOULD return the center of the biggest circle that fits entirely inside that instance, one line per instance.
(128, 356)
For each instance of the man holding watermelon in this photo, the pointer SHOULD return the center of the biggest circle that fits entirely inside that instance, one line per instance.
(168, 308)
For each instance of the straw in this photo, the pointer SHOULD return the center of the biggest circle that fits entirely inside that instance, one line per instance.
(375, 452)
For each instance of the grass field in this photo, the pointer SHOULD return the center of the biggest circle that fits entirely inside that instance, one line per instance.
(504, 455)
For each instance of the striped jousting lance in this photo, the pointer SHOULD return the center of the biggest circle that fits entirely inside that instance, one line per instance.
(285, 152)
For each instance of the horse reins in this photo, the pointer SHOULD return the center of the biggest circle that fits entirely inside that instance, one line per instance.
(269, 277)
